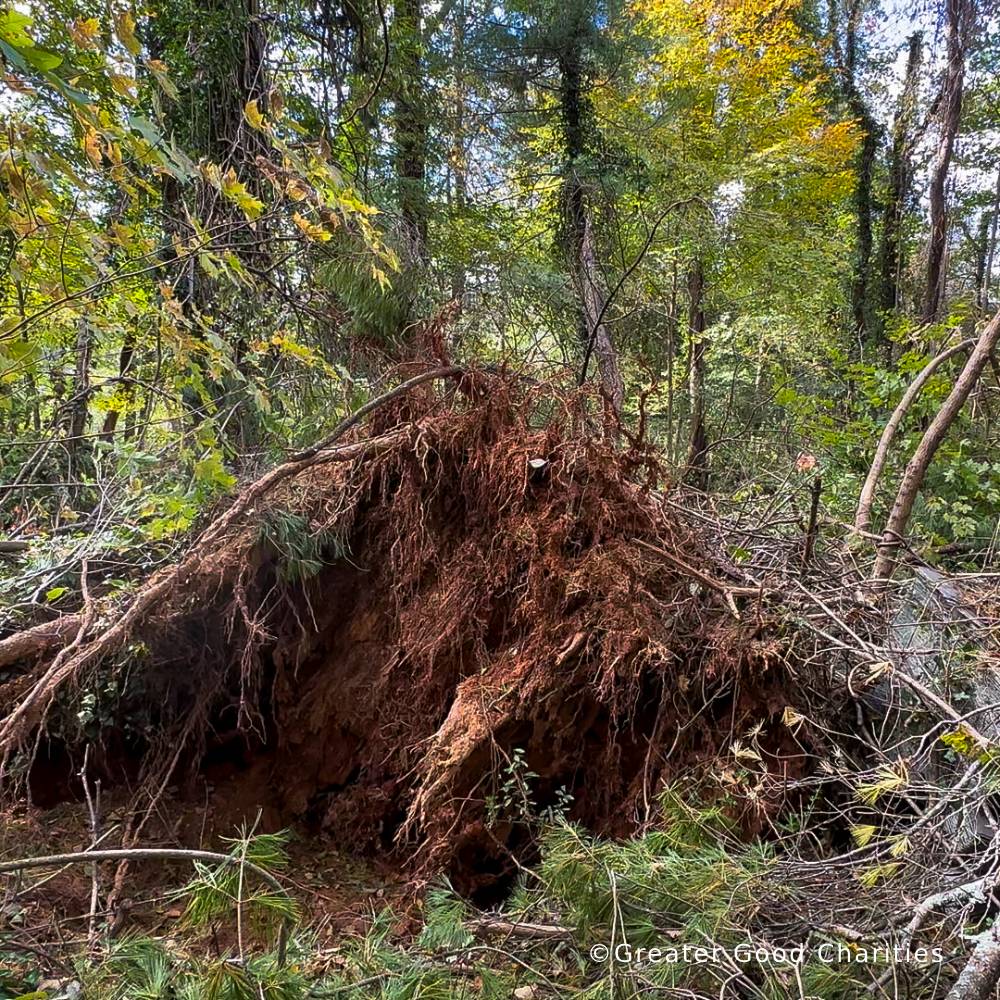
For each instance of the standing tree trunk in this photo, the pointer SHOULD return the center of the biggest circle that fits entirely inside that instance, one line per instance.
(594, 298)
(980, 245)
(916, 469)
(411, 129)
(696, 463)
(458, 164)
(900, 175)
(864, 203)
(991, 246)
(959, 17)
(226, 41)
(79, 402)
(861, 286)
(591, 294)
(125, 359)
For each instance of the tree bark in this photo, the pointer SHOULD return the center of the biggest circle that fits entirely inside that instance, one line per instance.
(594, 298)
(860, 300)
(458, 152)
(230, 68)
(125, 359)
(900, 175)
(916, 469)
(980, 246)
(39, 640)
(863, 516)
(847, 57)
(991, 246)
(696, 463)
(411, 130)
(593, 333)
(982, 972)
(959, 19)
(79, 404)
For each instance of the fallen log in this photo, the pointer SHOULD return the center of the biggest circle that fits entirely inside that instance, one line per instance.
(38, 640)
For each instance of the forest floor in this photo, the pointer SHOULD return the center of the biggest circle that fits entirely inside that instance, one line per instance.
(338, 892)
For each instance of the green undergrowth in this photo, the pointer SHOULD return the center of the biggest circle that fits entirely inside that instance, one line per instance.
(684, 883)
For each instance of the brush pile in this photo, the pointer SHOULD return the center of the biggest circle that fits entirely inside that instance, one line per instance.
(474, 601)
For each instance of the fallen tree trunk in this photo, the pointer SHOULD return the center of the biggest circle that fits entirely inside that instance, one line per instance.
(38, 640)
(371, 631)
(863, 516)
(982, 972)
(916, 469)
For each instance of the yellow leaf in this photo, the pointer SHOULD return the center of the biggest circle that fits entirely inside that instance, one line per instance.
(125, 29)
(236, 191)
(162, 75)
(123, 85)
(84, 31)
(252, 114)
(297, 190)
(92, 147)
(310, 229)
(211, 172)
(961, 741)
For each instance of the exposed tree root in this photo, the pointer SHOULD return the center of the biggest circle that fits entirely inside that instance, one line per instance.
(424, 634)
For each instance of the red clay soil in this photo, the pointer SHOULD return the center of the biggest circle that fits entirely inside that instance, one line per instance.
(473, 595)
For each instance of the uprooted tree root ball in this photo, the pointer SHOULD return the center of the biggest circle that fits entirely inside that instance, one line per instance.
(472, 608)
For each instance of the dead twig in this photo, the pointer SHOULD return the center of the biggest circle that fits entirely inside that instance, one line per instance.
(493, 926)
(156, 854)
(726, 589)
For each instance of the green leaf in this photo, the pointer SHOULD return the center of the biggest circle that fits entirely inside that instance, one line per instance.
(55, 593)
(14, 28)
(41, 59)
(212, 473)
(12, 55)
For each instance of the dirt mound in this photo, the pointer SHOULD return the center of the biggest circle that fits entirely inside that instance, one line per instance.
(475, 610)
